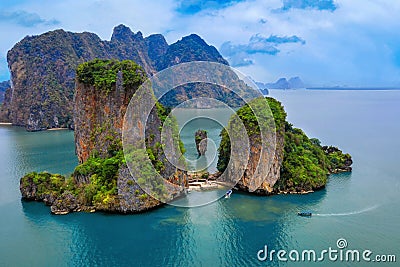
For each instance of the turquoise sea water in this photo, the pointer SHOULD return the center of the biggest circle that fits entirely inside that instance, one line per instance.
(361, 207)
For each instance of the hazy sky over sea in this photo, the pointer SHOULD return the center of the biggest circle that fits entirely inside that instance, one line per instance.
(325, 42)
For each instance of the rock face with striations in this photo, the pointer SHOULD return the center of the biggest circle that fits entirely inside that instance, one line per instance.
(265, 158)
(200, 138)
(43, 68)
(99, 114)
(295, 164)
(43, 77)
(103, 181)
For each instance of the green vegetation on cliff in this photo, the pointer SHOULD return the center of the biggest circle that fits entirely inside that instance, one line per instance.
(306, 164)
(138, 161)
(100, 173)
(224, 151)
(47, 184)
(102, 74)
(337, 159)
(246, 115)
(103, 181)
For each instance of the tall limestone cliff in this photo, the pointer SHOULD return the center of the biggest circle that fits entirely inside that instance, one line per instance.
(43, 68)
(100, 109)
(298, 164)
(265, 158)
(103, 181)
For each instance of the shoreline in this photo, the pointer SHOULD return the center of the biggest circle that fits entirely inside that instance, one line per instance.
(207, 185)
(57, 129)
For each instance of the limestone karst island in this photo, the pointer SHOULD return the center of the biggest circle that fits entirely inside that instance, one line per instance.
(80, 82)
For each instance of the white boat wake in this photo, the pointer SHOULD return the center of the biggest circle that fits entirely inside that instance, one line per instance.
(346, 213)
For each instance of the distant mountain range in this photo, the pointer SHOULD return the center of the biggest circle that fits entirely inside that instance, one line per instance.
(43, 70)
(282, 83)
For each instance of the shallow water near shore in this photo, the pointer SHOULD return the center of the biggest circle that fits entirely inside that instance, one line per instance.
(361, 207)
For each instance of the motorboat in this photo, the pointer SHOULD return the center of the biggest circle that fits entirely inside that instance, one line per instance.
(305, 213)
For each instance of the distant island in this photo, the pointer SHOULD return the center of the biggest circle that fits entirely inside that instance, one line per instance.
(282, 84)
(344, 88)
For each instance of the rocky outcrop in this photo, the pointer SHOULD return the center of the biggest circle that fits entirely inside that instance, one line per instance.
(273, 174)
(266, 187)
(45, 187)
(131, 196)
(262, 170)
(339, 162)
(103, 181)
(258, 157)
(43, 68)
(64, 204)
(200, 138)
(295, 164)
(56, 191)
(99, 113)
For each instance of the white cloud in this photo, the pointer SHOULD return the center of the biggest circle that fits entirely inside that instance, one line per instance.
(97, 16)
(101, 16)
(354, 44)
(25, 19)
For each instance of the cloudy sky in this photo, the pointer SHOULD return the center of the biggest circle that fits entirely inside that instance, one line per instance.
(325, 42)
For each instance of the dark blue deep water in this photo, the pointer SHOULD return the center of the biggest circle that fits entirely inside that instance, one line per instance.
(361, 207)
